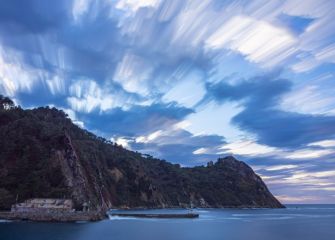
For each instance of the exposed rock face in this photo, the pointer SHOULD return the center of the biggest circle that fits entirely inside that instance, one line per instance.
(44, 155)
(72, 170)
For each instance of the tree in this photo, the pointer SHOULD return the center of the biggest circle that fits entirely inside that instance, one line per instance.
(6, 103)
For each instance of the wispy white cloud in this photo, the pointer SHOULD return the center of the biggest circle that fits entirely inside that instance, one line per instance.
(122, 141)
(15, 75)
(308, 153)
(251, 148)
(200, 151)
(297, 199)
(331, 189)
(310, 99)
(133, 73)
(73, 116)
(324, 143)
(248, 147)
(190, 26)
(281, 167)
(86, 95)
(151, 137)
(327, 54)
(56, 85)
(134, 5)
(298, 177)
(80, 7)
(165, 135)
(258, 40)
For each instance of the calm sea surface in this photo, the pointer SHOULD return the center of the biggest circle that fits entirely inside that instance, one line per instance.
(314, 222)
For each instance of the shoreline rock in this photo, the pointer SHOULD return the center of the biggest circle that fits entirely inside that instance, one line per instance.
(54, 216)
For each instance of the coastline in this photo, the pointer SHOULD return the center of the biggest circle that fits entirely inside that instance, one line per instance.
(93, 216)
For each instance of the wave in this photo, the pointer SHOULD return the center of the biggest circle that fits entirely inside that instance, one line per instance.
(122, 218)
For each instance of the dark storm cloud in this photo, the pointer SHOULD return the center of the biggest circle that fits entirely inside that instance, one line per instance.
(261, 115)
(33, 16)
(138, 120)
(179, 145)
(286, 129)
(258, 92)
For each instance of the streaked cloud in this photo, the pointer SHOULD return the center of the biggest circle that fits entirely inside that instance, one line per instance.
(87, 95)
(247, 147)
(80, 7)
(324, 143)
(298, 199)
(132, 73)
(309, 99)
(309, 153)
(15, 75)
(259, 41)
(281, 167)
(133, 6)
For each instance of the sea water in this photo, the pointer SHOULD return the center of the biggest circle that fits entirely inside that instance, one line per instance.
(305, 222)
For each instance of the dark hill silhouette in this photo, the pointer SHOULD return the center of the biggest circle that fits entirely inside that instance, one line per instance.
(43, 154)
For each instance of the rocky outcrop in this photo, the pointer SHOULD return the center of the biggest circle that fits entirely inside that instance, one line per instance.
(73, 171)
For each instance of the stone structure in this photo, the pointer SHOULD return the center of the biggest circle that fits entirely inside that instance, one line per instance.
(44, 205)
(51, 210)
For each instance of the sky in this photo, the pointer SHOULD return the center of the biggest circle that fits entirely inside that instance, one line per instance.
(187, 81)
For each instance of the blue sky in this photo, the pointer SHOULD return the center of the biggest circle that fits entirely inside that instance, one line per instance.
(187, 81)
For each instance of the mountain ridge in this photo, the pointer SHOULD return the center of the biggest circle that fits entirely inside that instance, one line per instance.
(43, 154)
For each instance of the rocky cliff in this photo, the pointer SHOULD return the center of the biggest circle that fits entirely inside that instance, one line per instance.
(43, 154)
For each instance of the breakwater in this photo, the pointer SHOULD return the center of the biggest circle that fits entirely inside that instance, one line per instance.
(156, 215)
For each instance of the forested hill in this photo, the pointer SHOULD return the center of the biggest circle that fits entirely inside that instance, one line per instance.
(43, 154)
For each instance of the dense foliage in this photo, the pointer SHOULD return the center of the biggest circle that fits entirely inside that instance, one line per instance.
(43, 154)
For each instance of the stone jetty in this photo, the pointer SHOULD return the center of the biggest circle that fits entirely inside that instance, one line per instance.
(156, 215)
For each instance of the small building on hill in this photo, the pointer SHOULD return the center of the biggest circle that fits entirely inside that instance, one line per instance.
(43, 205)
